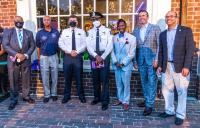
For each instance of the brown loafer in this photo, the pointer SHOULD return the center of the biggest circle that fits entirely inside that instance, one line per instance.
(116, 103)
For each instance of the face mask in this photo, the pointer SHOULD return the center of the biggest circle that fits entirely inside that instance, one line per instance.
(72, 24)
(96, 23)
(19, 24)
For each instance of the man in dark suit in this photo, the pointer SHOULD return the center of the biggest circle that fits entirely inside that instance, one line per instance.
(19, 44)
(175, 57)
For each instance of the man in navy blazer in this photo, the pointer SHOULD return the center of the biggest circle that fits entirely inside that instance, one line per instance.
(19, 44)
(176, 50)
(147, 37)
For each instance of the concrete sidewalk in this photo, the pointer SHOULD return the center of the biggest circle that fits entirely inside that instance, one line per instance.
(77, 115)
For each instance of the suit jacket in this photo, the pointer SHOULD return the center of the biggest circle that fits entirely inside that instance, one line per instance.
(183, 51)
(125, 52)
(11, 45)
(150, 43)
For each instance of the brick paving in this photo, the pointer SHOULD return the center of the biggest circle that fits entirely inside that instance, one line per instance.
(77, 115)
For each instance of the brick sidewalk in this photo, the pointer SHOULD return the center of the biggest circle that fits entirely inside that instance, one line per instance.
(77, 115)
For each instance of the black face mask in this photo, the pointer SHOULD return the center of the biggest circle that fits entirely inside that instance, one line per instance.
(72, 24)
(19, 24)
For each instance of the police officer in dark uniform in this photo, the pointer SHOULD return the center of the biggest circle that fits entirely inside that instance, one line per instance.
(99, 46)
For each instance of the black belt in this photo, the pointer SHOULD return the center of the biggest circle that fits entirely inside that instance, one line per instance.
(170, 61)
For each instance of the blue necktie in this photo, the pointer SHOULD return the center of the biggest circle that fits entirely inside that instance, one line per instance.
(20, 38)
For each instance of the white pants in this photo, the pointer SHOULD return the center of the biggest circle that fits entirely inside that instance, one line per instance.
(169, 79)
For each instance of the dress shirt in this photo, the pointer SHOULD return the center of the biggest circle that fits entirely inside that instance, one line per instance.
(105, 41)
(170, 42)
(17, 30)
(65, 40)
(143, 30)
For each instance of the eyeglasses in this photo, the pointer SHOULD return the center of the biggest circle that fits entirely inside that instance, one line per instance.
(170, 16)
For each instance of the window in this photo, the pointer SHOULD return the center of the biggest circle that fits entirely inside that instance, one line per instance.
(60, 10)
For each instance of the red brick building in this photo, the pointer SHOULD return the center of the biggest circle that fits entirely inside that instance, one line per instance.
(189, 12)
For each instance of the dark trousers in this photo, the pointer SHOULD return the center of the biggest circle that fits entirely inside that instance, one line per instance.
(4, 84)
(100, 82)
(73, 67)
(14, 73)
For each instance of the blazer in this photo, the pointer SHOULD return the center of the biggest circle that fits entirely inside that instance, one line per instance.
(125, 52)
(151, 43)
(11, 45)
(183, 51)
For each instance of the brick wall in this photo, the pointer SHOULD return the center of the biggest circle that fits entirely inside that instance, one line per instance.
(136, 91)
(190, 15)
(8, 10)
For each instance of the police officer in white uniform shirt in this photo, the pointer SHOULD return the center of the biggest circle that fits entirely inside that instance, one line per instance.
(73, 42)
(99, 46)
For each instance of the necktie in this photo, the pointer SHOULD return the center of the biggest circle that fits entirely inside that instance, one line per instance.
(97, 41)
(73, 40)
(20, 38)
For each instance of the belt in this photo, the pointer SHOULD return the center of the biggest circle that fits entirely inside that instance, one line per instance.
(170, 61)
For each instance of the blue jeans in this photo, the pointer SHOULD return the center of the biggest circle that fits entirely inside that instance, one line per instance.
(123, 79)
(51, 62)
(149, 83)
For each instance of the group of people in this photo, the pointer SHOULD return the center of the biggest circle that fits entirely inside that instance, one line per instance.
(153, 52)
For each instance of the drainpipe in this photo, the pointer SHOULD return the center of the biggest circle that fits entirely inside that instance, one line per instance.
(180, 12)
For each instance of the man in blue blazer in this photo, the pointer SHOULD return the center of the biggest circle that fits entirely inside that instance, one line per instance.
(147, 37)
(19, 44)
(174, 60)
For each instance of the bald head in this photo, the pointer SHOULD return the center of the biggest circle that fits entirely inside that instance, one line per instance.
(171, 19)
(19, 22)
(18, 19)
(47, 21)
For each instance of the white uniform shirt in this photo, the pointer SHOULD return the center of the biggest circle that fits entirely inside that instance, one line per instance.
(105, 41)
(65, 40)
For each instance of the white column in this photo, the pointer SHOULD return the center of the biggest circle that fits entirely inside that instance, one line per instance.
(157, 10)
(27, 9)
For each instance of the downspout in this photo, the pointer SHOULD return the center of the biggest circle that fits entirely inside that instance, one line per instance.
(180, 12)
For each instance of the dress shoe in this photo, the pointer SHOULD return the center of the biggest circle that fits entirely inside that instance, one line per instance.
(94, 102)
(141, 104)
(147, 111)
(178, 121)
(65, 100)
(126, 107)
(29, 100)
(83, 100)
(116, 103)
(12, 106)
(104, 107)
(54, 98)
(165, 115)
(45, 100)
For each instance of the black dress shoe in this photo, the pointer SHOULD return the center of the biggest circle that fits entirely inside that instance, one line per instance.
(147, 111)
(65, 100)
(29, 100)
(164, 115)
(104, 107)
(54, 98)
(12, 106)
(45, 100)
(83, 100)
(95, 102)
(141, 104)
(178, 121)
